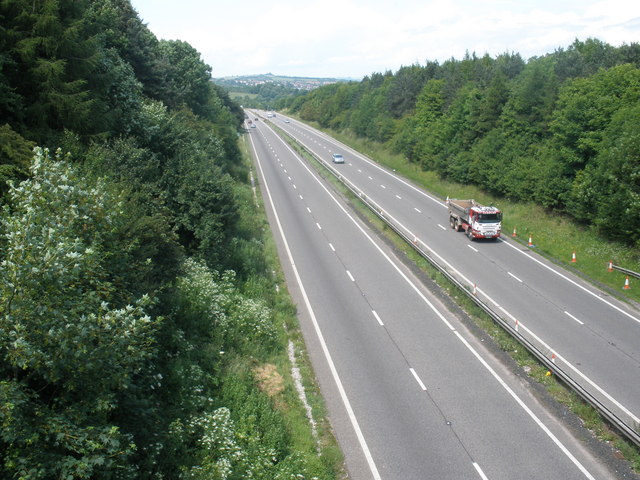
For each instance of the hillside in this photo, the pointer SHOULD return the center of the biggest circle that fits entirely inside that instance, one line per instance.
(265, 90)
(559, 130)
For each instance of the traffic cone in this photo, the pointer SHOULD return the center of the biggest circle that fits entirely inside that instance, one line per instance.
(626, 283)
(475, 289)
(530, 244)
(610, 266)
(514, 232)
(573, 258)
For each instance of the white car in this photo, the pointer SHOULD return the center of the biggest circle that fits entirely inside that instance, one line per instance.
(338, 158)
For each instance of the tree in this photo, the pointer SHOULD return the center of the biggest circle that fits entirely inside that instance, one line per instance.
(66, 351)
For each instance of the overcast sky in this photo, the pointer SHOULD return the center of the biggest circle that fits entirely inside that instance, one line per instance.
(354, 38)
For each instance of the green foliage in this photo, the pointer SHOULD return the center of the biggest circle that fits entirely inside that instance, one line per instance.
(15, 156)
(66, 353)
(533, 131)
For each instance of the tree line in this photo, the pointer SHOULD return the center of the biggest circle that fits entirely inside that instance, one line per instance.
(560, 130)
(134, 292)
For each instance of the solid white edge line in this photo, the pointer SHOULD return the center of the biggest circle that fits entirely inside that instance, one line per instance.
(323, 344)
(415, 375)
(561, 275)
(529, 412)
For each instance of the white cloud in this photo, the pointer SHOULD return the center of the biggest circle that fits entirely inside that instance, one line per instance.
(353, 38)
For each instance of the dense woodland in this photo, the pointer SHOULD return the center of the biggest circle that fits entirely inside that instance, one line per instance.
(561, 131)
(134, 296)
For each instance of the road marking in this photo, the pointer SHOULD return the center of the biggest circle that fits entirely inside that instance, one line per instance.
(574, 318)
(529, 412)
(351, 276)
(448, 324)
(514, 277)
(370, 178)
(308, 210)
(332, 247)
(383, 186)
(359, 171)
(398, 197)
(319, 227)
(289, 178)
(377, 318)
(316, 326)
(595, 295)
(473, 248)
(571, 316)
(301, 197)
(442, 227)
(294, 187)
(415, 375)
(480, 472)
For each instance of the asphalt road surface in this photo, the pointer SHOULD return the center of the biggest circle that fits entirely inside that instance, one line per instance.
(411, 393)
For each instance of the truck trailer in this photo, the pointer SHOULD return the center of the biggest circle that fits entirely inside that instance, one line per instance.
(476, 220)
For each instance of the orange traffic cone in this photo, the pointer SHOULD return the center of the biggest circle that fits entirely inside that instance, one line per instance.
(573, 258)
(610, 266)
(626, 283)
(530, 244)
(514, 232)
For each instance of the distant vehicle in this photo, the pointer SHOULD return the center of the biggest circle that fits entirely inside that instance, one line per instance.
(476, 220)
(256, 119)
(286, 120)
(338, 158)
(253, 125)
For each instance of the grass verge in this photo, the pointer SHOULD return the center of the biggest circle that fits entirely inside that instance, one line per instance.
(274, 374)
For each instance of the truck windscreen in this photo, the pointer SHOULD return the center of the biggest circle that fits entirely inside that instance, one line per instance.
(489, 217)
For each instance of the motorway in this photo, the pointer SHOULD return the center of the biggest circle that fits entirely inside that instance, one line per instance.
(411, 393)
(591, 336)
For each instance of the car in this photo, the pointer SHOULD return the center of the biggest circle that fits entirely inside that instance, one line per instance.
(338, 158)
(253, 125)
(286, 120)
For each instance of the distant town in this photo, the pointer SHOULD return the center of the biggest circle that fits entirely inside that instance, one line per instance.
(297, 83)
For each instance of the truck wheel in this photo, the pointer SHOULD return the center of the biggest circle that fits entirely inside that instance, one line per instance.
(470, 234)
(452, 222)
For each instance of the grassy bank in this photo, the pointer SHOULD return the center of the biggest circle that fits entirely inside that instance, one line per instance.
(274, 375)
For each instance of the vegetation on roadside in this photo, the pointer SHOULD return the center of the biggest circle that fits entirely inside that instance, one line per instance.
(141, 334)
(590, 417)
(558, 131)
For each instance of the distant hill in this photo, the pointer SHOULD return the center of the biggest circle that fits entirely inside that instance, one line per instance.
(296, 83)
(262, 91)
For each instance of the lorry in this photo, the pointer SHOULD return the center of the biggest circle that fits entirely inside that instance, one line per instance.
(476, 220)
